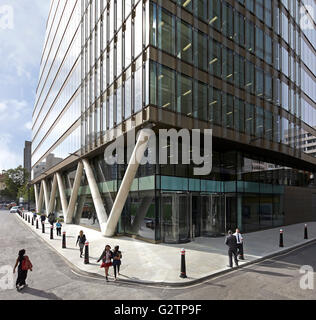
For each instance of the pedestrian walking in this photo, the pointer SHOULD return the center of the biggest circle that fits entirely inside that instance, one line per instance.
(106, 257)
(231, 242)
(117, 256)
(34, 216)
(58, 228)
(51, 218)
(43, 218)
(94, 217)
(24, 264)
(81, 240)
(240, 244)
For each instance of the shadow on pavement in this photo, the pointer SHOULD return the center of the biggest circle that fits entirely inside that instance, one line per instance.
(275, 274)
(40, 293)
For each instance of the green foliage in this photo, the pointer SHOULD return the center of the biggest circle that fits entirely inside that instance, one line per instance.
(16, 182)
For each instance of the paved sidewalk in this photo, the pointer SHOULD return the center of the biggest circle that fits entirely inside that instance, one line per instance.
(160, 263)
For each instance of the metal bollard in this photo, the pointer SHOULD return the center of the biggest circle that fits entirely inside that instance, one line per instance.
(43, 227)
(32, 221)
(64, 240)
(183, 272)
(305, 232)
(281, 239)
(36, 223)
(86, 253)
(51, 232)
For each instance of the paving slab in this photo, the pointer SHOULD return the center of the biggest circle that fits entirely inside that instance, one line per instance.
(160, 263)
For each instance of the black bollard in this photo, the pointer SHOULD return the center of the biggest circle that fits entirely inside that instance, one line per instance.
(281, 239)
(64, 240)
(51, 232)
(32, 221)
(86, 253)
(25, 217)
(36, 223)
(183, 272)
(43, 227)
(305, 232)
(28, 219)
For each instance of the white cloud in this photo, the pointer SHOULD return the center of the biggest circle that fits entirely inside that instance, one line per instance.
(8, 158)
(28, 125)
(12, 110)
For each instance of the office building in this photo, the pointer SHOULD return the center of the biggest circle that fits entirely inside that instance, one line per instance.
(245, 69)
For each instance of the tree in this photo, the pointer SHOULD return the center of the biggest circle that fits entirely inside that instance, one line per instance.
(15, 179)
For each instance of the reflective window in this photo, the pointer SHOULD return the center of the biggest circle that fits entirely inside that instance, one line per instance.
(184, 41)
(166, 88)
(184, 95)
(166, 31)
(200, 48)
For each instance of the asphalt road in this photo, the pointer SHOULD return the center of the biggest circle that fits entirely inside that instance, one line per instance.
(53, 279)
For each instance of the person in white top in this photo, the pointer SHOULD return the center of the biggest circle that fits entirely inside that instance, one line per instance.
(240, 245)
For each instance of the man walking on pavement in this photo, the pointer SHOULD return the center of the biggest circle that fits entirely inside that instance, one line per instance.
(240, 245)
(231, 242)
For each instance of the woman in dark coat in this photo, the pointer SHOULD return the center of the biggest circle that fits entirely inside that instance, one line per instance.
(117, 256)
(81, 240)
(22, 274)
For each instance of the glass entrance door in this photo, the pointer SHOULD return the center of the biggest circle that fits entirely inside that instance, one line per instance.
(213, 215)
(175, 218)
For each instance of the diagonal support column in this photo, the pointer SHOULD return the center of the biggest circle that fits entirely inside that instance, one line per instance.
(62, 194)
(138, 152)
(40, 198)
(74, 194)
(52, 195)
(46, 196)
(96, 196)
(36, 196)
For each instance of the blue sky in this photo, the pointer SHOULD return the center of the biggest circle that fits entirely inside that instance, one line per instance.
(22, 34)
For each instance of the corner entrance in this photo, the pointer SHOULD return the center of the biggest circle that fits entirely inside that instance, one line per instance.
(185, 216)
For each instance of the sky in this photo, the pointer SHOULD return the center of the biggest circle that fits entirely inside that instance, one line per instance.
(22, 34)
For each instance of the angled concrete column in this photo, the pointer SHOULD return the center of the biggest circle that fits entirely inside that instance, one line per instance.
(62, 194)
(36, 196)
(127, 181)
(141, 213)
(46, 196)
(40, 198)
(108, 198)
(96, 196)
(74, 194)
(52, 195)
(79, 210)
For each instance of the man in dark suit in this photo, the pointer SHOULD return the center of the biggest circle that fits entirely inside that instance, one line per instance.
(231, 242)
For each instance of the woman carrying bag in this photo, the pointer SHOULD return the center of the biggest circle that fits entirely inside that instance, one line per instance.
(24, 265)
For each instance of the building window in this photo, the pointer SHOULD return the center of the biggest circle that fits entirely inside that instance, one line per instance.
(184, 95)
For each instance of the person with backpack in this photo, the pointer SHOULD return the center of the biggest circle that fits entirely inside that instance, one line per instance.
(106, 257)
(24, 264)
(117, 256)
(43, 218)
(58, 228)
(81, 240)
(51, 218)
